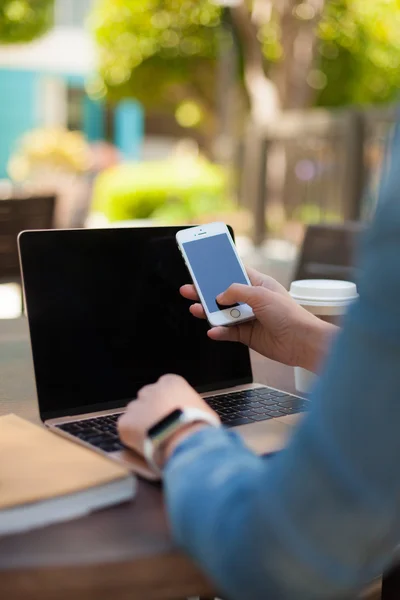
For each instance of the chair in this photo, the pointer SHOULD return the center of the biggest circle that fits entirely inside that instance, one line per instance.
(391, 584)
(328, 252)
(16, 215)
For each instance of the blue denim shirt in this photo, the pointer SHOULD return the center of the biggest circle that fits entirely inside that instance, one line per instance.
(321, 518)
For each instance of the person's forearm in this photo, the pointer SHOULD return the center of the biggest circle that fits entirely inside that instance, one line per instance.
(317, 521)
(296, 526)
(314, 343)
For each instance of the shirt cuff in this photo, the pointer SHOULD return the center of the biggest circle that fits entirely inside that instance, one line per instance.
(204, 440)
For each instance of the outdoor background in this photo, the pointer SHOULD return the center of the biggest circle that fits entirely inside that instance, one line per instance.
(267, 114)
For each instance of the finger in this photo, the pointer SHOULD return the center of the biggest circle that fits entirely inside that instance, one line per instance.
(127, 433)
(189, 292)
(146, 390)
(239, 293)
(123, 424)
(240, 333)
(197, 311)
(132, 442)
(129, 406)
(265, 281)
(171, 379)
(255, 276)
(223, 334)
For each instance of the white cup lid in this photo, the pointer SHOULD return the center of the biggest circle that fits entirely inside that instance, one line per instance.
(323, 291)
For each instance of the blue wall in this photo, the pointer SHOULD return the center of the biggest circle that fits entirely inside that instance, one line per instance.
(18, 110)
(129, 129)
(19, 113)
(94, 125)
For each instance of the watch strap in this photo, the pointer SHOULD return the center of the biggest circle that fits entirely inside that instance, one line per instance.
(155, 438)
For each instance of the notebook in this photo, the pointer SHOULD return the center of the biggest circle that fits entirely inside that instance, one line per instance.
(45, 478)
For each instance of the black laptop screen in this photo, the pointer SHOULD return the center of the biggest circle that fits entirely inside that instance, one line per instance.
(106, 318)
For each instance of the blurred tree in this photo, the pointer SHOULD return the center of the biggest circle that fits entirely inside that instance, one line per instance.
(262, 92)
(360, 52)
(24, 20)
(294, 53)
(161, 52)
(286, 31)
(164, 52)
(334, 53)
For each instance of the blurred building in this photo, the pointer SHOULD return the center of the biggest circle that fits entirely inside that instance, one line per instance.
(44, 84)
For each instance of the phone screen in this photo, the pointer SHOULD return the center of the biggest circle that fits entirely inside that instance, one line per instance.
(215, 266)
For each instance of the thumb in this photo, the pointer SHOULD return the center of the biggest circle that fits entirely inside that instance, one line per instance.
(254, 296)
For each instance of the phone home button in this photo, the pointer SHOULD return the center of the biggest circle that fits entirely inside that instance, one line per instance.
(235, 313)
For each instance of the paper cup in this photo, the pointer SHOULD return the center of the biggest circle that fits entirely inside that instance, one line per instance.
(329, 300)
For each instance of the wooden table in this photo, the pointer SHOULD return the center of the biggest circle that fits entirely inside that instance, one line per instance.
(124, 552)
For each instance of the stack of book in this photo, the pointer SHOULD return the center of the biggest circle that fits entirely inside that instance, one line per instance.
(45, 478)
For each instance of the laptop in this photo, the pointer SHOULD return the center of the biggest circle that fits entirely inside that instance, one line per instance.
(106, 318)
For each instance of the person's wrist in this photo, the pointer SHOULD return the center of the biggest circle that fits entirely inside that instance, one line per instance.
(173, 442)
(316, 340)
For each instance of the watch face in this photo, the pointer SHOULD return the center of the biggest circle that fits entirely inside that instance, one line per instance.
(161, 429)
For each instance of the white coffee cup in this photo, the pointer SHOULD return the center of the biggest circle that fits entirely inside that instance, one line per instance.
(329, 300)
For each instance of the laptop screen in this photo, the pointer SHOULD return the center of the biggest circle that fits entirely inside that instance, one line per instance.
(106, 318)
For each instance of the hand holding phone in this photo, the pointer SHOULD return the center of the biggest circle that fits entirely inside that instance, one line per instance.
(214, 265)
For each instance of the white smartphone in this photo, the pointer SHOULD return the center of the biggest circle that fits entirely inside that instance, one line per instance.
(210, 255)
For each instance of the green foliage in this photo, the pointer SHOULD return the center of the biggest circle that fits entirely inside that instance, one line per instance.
(178, 189)
(24, 20)
(360, 51)
(164, 52)
(159, 51)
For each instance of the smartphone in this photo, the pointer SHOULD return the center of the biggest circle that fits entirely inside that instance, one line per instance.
(211, 258)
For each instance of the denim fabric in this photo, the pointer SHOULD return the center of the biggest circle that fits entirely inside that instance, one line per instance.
(321, 518)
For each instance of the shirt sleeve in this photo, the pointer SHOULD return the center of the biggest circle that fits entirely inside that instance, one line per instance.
(321, 518)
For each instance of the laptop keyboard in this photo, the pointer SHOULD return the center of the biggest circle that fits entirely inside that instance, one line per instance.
(250, 406)
(235, 408)
(100, 432)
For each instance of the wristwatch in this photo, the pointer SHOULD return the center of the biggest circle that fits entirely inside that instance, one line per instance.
(162, 431)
